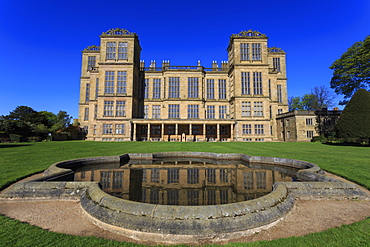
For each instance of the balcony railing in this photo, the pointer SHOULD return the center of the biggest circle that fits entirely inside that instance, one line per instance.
(183, 68)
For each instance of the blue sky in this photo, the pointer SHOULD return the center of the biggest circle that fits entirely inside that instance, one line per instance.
(42, 40)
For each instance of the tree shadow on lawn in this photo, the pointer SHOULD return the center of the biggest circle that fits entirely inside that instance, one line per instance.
(347, 144)
(13, 145)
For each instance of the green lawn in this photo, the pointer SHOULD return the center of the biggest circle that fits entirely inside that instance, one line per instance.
(20, 160)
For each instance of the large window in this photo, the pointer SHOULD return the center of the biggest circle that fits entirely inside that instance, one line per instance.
(107, 128)
(156, 111)
(309, 121)
(279, 94)
(261, 180)
(121, 82)
(222, 89)
(146, 88)
(174, 87)
(259, 129)
(193, 176)
(276, 64)
(258, 109)
(193, 87)
(248, 180)
(257, 82)
(86, 114)
(247, 129)
(193, 111)
(210, 111)
(111, 50)
(210, 88)
(309, 134)
(146, 111)
(256, 52)
(121, 108)
(156, 88)
(109, 82)
(246, 109)
(222, 112)
(91, 60)
(122, 50)
(244, 51)
(87, 94)
(120, 129)
(173, 111)
(173, 175)
(108, 108)
(246, 85)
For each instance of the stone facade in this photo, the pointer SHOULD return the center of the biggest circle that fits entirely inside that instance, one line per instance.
(296, 126)
(123, 100)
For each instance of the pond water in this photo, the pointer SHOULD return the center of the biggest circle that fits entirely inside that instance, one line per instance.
(187, 182)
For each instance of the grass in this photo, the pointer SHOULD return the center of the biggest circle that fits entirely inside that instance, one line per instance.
(20, 160)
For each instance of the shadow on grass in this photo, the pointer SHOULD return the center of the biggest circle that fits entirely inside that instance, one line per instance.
(347, 144)
(13, 145)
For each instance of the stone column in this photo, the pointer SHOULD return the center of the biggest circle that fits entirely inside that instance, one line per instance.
(204, 132)
(177, 131)
(218, 132)
(191, 131)
(162, 132)
(148, 137)
(134, 136)
(232, 132)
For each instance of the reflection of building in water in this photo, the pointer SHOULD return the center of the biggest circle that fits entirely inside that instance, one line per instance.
(193, 184)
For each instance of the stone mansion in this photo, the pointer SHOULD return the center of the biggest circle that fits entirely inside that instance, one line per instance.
(122, 99)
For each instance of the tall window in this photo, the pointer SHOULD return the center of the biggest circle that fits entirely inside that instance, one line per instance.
(276, 63)
(121, 108)
(210, 111)
(257, 82)
(258, 109)
(146, 88)
(91, 60)
(117, 179)
(87, 95)
(111, 50)
(156, 111)
(86, 114)
(173, 111)
(210, 88)
(246, 85)
(248, 180)
(244, 51)
(211, 175)
(246, 109)
(256, 52)
(193, 111)
(121, 82)
(105, 179)
(120, 129)
(108, 108)
(107, 128)
(172, 197)
(156, 88)
(309, 134)
(193, 87)
(122, 50)
(309, 121)
(261, 180)
(258, 129)
(247, 129)
(109, 82)
(279, 94)
(97, 88)
(174, 87)
(224, 175)
(222, 89)
(193, 176)
(95, 111)
(173, 175)
(146, 111)
(222, 112)
(155, 175)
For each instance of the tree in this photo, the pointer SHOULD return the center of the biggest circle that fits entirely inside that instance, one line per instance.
(354, 122)
(352, 70)
(320, 97)
(57, 122)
